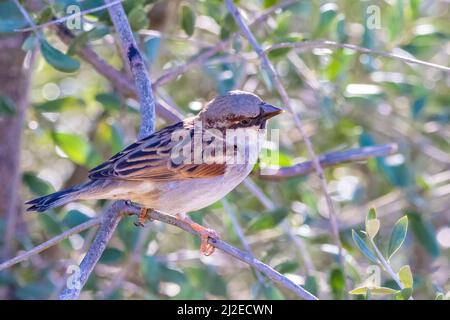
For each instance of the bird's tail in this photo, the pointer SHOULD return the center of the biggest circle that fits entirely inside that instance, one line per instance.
(56, 199)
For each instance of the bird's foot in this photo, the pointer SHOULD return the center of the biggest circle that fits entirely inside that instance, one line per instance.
(143, 216)
(205, 234)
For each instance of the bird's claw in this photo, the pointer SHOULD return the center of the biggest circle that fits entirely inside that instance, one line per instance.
(143, 216)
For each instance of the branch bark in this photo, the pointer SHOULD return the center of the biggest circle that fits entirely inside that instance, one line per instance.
(305, 45)
(330, 159)
(143, 86)
(269, 68)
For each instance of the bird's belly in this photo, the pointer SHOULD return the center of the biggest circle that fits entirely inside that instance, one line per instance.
(194, 194)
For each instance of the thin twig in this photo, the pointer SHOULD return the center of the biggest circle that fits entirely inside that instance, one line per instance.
(174, 72)
(110, 220)
(72, 16)
(270, 205)
(330, 159)
(119, 80)
(142, 82)
(272, 274)
(304, 45)
(47, 244)
(240, 233)
(387, 266)
(269, 68)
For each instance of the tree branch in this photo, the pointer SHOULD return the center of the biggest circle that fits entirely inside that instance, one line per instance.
(47, 244)
(269, 68)
(305, 45)
(72, 16)
(272, 274)
(142, 82)
(330, 159)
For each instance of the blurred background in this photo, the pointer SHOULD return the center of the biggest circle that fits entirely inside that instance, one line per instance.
(59, 118)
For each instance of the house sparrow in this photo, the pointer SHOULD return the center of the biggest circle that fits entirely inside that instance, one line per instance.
(177, 175)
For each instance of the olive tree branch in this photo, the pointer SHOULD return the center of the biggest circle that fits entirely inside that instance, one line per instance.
(143, 86)
(331, 159)
(269, 68)
(247, 258)
(313, 44)
(69, 17)
(49, 243)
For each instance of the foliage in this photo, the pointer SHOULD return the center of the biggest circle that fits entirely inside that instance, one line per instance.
(76, 119)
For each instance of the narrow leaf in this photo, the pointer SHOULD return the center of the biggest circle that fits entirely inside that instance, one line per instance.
(57, 59)
(373, 290)
(361, 245)
(398, 235)
(187, 19)
(405, 276)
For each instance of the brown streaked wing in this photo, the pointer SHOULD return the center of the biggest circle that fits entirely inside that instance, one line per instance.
(149, 159)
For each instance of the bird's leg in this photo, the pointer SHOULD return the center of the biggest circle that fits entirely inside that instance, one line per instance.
(143, 215)
(205, 233)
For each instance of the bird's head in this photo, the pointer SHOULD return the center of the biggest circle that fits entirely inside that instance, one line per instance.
(237, 109)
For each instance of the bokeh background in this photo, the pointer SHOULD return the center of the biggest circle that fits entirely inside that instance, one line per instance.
(70, 122)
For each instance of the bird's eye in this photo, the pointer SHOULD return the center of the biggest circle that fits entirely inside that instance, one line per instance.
(245, 122)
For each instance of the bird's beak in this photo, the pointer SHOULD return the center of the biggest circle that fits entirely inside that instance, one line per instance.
(269, 111)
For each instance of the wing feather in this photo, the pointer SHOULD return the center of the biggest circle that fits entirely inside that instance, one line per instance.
(149, 159)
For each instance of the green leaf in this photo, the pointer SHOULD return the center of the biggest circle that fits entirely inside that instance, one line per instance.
(372, 214)
(372, 223)
(404, 294)
(405, 276)
(10, 17)
(337, 283)
(30, 43)
(327, 14)
(74, 218)
(287, 267)
(269, 3)
(76, 148)
(138, 18)
(82, 39)
(57, 59)
(373, 290)
(151, 48)
(36, 184)
(151, 272)
(267, 220)
(361, 245)
(311, 285)
(187, 19)
(59, 105)
(439, 296)
(112, 256)
(418, 106)
(7, 107)
(398, 235)
(425, 233)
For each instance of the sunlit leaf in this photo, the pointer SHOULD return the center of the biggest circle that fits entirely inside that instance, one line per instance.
(405, 276)
(75, 147)
(361, 245)
(373, 290)
(372, 223)
(398, 235)
(59, 105)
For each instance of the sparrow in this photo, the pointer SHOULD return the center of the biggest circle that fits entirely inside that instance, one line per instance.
(183, 167)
